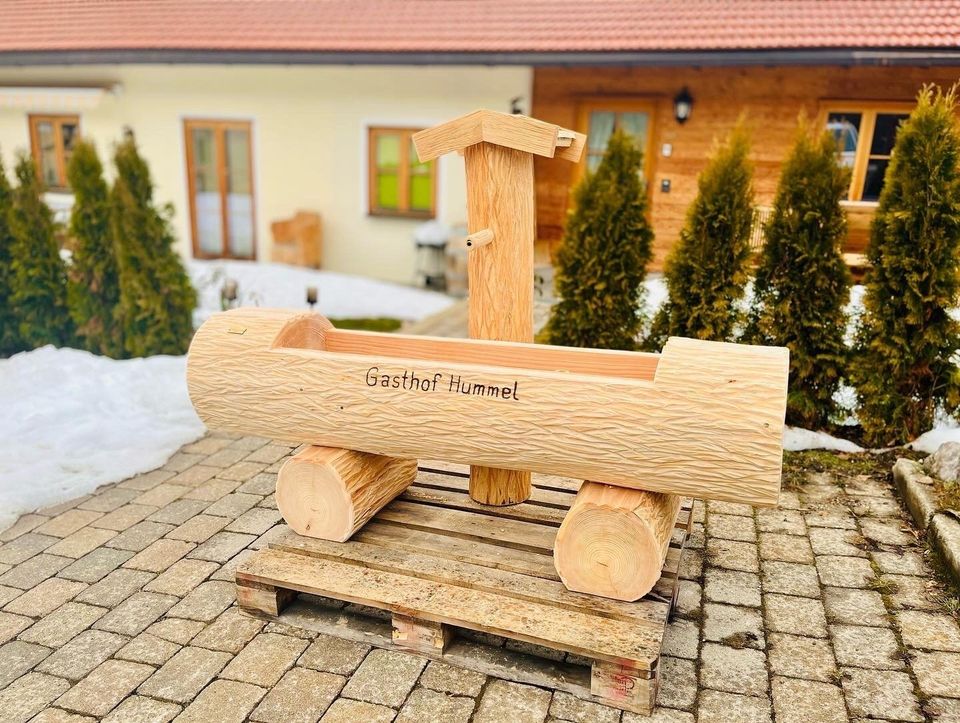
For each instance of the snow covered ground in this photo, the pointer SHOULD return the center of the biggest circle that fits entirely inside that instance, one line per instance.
(340, 295)
(72, 421)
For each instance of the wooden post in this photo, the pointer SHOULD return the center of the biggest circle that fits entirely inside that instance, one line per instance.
(498, 154)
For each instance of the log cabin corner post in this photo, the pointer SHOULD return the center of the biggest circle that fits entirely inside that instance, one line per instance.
(498, 152)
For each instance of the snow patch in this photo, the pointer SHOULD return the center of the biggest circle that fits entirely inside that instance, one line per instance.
(279, 285)
(797, 439)
(73, 421)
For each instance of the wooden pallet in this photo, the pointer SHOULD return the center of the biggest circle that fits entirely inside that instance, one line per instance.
(437, 562)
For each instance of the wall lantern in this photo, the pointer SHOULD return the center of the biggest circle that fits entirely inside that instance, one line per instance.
(682, 106)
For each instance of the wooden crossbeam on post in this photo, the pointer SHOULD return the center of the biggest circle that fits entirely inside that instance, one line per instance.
(498, 152)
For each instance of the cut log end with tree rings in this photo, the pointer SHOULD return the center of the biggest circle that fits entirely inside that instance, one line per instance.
(330, 493)
(613, 540)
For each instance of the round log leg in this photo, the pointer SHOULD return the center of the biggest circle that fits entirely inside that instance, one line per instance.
(330, 493)
(613, 540)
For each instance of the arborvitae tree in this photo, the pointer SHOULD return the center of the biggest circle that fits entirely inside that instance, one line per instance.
(903, 368)
(39, 297)
(93, 288)
(156, 298)
(802, 283)
(708, 268)
(601, 264)
(9, 323)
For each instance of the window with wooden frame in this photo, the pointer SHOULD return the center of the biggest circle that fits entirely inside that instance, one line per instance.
(865, 135)
(52, 139)
(399, 184)
(600, 117)
(220, 181)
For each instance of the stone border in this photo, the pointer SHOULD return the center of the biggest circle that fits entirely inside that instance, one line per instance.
(943, 529)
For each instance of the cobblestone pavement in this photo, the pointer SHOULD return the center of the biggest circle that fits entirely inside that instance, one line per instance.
(120, 606)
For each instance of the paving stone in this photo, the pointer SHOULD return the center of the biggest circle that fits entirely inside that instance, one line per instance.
(95, 565)
(832, 541)
(263, 484)
(255, 521)
(790, 578)
(268, 537)
(57, 715)
(345, 710)
(45, 597)
(25, 547)
(115, 587)
(888, 532)
(60, 626)
(900, 563)
(225, 457)
(681, 639)
(912, 592)
(570, 708)
(28, 695)
(733, 555)
(268, 454)
(734, 626)
(222, 546)
(799, 657)
(58, 509)
(233, 505)
(729, 508)
(302, 696)
(17, 658)
(875, 507)
(837, 517)
(182, 577)
(140, 536)
(805, 701)
(194, 476)
(162, 494)
(107, 500)
(267, 657)
(206, 445)
(8, 594)
(269, 502)
(199, 528)
(732, 527)
(105, 687)
(385, 677)
(67, 523)
(232, 631)
(697, 539)
(938, 673)
(689, 598)
(335, 655)
(81, 542)
(11, 624)
(146, 481)
(866, 647)
(212, 491)
(206, 601)
(22, 526)
(183, 676)
(733, 670)
(137, 709)
(149, 649)
(944, 710)
(735, 588)
(717, 707)
(176, 630)
(855, 607)
(124, 517)
(785, 548)
(678, 683)
(525, 702)
(32, 572)
(927, 631)
(136, 613)
(160, 555)
(880, 694)
(241, 471)
(224, 701)
(789, 522)
(228, 571)
(837, 571)
(176, 513)
(795, 615)
(182, 460)
(443, 677)
(82, 654)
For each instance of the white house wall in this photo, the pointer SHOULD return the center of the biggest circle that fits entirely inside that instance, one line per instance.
(309, 138)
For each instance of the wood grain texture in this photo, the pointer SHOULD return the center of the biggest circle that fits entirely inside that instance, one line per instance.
(614, 540)
(330, 493)
(678, 434)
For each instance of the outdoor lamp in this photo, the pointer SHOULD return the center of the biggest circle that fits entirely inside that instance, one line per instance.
(228, 294)
(682, 105)
(311, 295)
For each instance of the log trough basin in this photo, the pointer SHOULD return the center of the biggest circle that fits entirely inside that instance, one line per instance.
(702, 419)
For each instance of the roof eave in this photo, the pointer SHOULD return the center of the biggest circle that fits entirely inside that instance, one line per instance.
(767, 56)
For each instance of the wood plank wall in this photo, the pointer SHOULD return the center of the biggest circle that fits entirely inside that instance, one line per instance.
(772, 98)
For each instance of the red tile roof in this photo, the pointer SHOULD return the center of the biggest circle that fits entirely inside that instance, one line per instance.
(476, 26)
